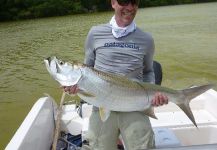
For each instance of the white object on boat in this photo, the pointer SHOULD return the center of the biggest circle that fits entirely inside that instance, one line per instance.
(172, 129)
(165, 138)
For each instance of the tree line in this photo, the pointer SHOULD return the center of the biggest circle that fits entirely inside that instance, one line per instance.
(26, 9)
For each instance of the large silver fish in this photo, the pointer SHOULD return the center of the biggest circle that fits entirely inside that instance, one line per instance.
(112, 92)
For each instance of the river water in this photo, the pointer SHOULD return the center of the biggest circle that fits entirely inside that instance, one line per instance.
(185, 38)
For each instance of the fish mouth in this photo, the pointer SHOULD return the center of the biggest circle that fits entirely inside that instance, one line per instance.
(49, 59)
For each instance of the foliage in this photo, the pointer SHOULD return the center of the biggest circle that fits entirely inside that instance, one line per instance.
(24, 9)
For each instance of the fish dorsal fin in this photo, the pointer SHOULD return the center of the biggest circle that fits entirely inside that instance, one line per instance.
(150, 112)
(116, 79)
(104, 113)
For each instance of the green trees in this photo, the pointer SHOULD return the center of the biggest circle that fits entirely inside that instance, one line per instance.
(24, 9)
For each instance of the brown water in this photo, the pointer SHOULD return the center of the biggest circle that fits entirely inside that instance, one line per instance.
(185, 38)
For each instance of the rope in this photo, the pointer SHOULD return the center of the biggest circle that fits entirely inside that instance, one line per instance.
(59, 114)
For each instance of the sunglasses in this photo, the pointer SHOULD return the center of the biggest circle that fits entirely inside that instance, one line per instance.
(126, 2)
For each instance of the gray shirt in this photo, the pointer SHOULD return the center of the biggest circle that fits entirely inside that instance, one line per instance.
(120, 56)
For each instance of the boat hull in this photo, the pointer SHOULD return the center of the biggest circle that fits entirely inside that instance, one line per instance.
(37, 130)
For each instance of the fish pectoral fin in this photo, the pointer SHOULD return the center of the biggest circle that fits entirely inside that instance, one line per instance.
(150, 112)
(104, 113)
(87, 94)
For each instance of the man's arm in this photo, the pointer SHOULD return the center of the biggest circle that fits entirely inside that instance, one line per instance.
(148, 71)
(149, 76)
(89, 49)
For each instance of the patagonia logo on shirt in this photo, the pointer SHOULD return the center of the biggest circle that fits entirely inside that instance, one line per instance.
(122, 45)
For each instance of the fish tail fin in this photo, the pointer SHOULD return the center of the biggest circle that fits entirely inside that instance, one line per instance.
(188, 95)
(193, 92)
(187, 110)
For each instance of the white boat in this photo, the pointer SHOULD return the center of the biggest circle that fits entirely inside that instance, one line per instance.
(173, 129)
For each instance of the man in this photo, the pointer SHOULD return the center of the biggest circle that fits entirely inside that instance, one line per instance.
(120, 47)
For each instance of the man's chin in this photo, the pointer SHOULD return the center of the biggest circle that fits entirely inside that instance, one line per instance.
(128, 19)
(127, 22)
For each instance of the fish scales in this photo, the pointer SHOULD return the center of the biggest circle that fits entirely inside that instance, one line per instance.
(111, 94)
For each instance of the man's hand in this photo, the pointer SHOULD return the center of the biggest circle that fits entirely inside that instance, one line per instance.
(71, 89)
(159, 99)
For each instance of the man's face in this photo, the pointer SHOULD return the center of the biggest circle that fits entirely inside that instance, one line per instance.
(124, 13)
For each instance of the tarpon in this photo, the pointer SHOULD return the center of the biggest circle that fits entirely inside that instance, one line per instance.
(112, 92)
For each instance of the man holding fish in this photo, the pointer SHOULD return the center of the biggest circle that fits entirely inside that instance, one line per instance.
(118, 79)
(120, 47)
